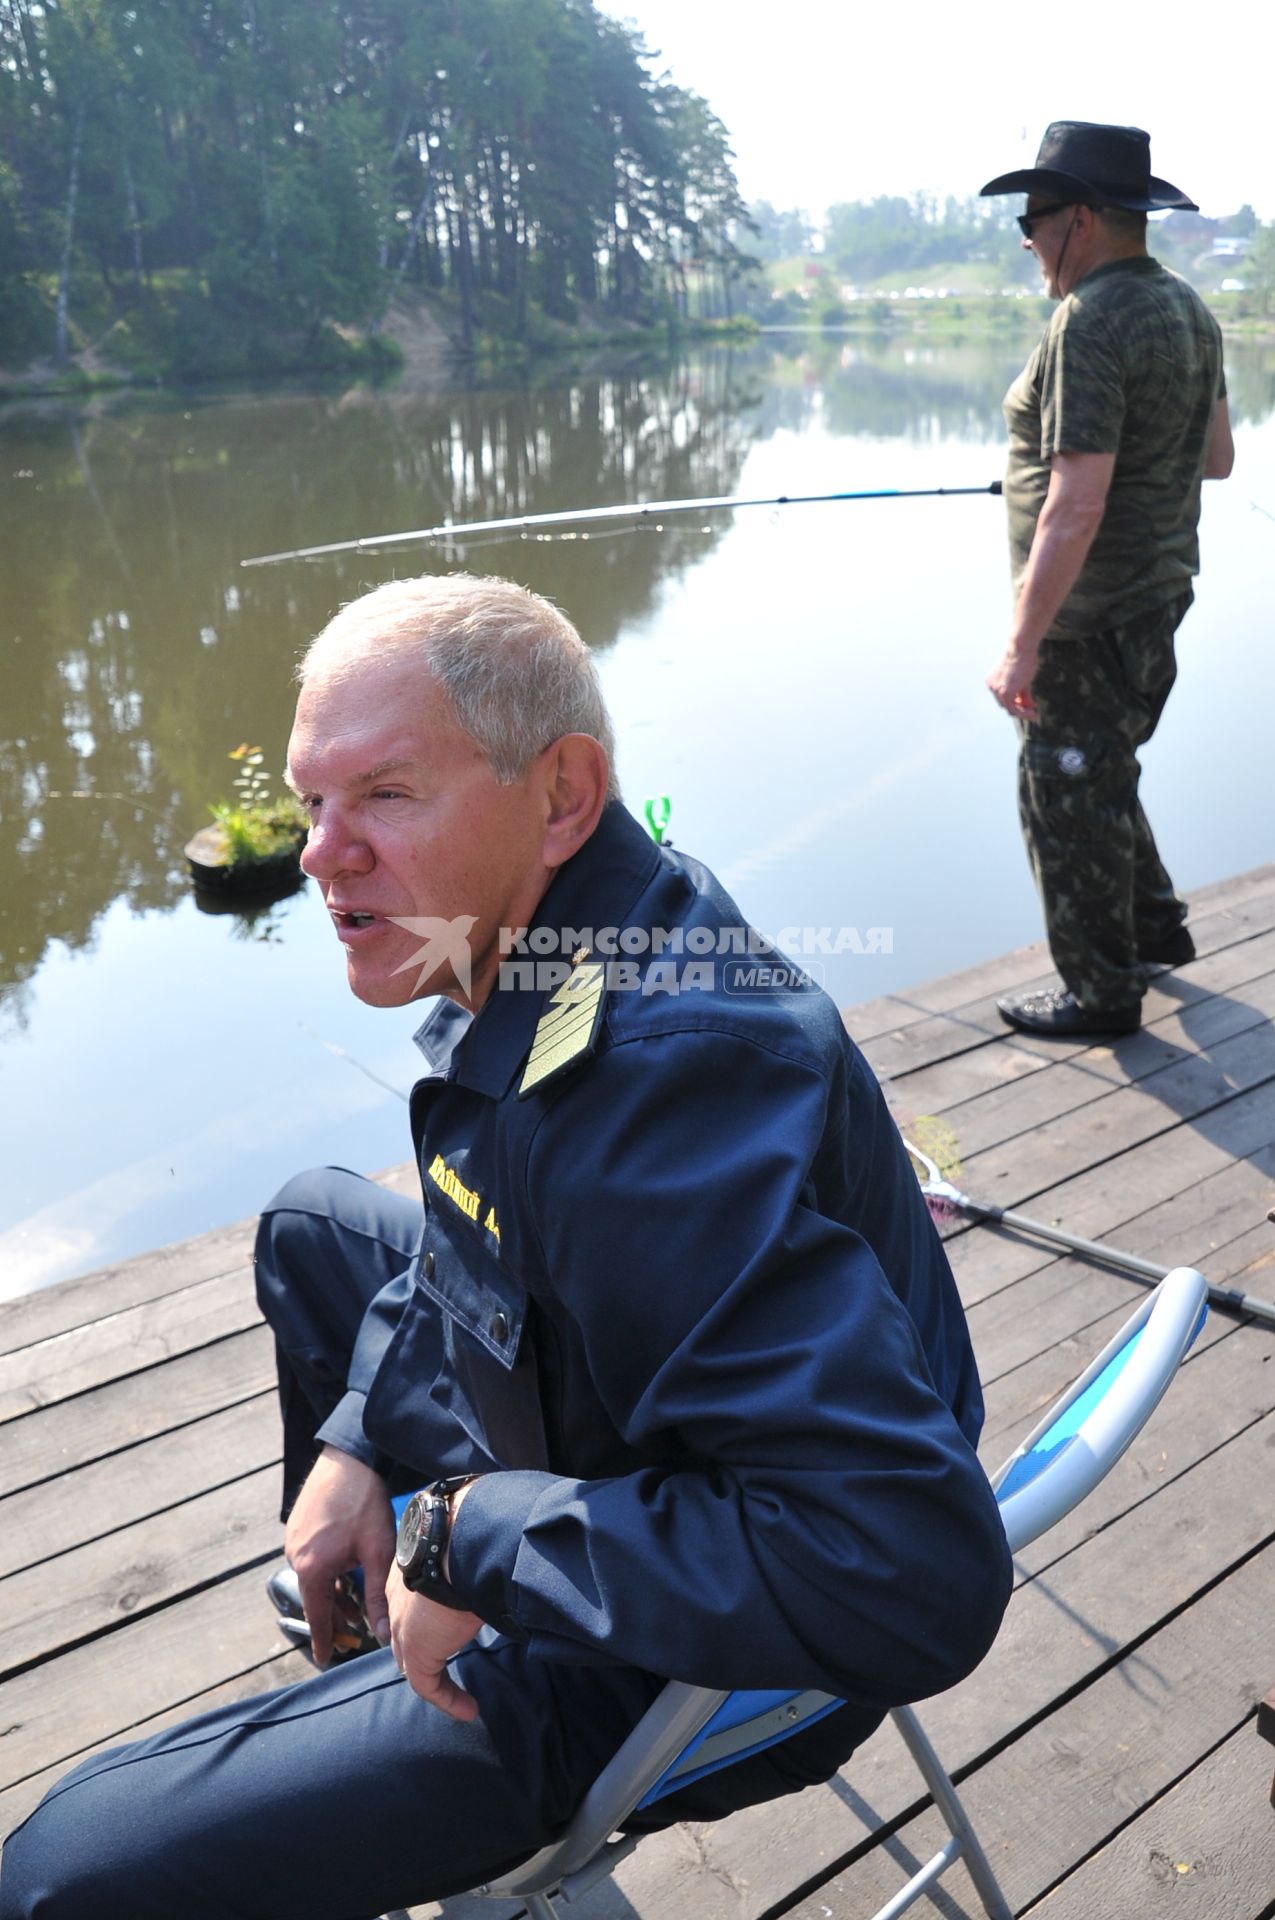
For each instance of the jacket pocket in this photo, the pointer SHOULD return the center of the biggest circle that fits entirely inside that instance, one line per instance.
(458, 1387)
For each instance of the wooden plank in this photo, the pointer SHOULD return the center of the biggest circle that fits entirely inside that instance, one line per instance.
(941, 1036)
(96, 1692)
(1219, 895)
(893, 1011)
(1085, 1169)
(94, 1425)
(986, 1258)
(1063, 1305)
(1079, 1778)
(1212, 1217)
(127, 1283)
(1224, 966)
(934, 1090)
(1221, 913)
(138, 1569)
(1257, 1275)
(1207, 1849)
(1191, 1226)
(1016, 1400)
(1173, 1023)
(41, 1523)
(138, 1337)
(1109, 1594)
(1068, 1144)
(922, 1043)
(1054, 1319)
(1098, 1200)
(1152, 1061)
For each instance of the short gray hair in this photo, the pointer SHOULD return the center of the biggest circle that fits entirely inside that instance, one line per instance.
(517, 673)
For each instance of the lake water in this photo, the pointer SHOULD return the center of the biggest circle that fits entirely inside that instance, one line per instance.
(804, 683)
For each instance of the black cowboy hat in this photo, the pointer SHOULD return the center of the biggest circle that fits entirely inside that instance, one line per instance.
(1094, 165)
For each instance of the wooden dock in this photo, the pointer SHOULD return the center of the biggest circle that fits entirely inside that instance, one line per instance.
(1107, 1749)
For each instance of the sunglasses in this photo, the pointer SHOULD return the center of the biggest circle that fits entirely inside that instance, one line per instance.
(1026, 221)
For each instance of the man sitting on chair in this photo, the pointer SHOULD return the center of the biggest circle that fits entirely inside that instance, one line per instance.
(674, 1349)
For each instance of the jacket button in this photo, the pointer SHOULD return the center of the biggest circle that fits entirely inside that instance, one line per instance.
(427, 1266)
(500, 1328)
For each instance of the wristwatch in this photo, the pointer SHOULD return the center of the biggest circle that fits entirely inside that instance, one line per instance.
(423, 1532)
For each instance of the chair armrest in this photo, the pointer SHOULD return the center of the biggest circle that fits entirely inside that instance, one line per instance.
(1081, 1438)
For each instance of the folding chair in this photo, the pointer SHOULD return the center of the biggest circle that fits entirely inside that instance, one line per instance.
(690, 1731)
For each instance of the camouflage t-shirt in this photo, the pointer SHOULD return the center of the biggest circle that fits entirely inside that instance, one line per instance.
(1130, 364)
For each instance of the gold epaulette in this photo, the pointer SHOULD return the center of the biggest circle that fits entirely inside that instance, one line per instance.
(568, 1027)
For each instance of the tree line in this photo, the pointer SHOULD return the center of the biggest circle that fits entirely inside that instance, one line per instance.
(195, 177)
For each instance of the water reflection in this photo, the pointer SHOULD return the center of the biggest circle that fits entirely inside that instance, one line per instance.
(885, 388)
(139, 653)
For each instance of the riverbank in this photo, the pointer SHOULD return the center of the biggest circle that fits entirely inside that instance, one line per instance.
(419, 342)
(172, 343)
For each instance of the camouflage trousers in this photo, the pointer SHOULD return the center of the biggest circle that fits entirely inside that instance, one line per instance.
(1102, 884)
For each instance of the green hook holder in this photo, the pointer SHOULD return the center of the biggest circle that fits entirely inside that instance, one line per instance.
(657, 813)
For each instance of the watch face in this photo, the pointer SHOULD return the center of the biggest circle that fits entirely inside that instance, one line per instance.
(413, 1528)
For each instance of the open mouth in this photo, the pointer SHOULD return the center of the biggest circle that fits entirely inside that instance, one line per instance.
(353, 921)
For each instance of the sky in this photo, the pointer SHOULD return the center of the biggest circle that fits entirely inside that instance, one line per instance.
(829, 100)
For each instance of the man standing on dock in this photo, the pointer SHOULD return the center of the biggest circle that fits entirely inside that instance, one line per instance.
(1116, 419)
(672, 1357)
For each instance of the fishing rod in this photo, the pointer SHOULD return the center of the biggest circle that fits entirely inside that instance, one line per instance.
(935, 1187)
(583, 516)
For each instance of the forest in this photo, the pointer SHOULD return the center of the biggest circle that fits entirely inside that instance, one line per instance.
(194, 190)
(197, 187)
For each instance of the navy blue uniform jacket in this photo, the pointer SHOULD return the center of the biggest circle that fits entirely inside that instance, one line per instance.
(685, 1312)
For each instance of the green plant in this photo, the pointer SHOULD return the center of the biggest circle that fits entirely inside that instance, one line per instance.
(258, 825)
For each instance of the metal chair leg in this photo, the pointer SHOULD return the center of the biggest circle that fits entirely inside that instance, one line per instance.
(968, 1845)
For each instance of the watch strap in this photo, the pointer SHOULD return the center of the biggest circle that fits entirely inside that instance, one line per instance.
(431, 1579)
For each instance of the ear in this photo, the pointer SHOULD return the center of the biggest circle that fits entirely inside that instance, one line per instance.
(576, 774)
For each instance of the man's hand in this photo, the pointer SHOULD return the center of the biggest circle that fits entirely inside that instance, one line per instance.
(424, 1637)
(342, 1518)
(1011, 682)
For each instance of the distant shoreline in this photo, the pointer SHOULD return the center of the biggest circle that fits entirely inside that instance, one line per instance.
(416, 350)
